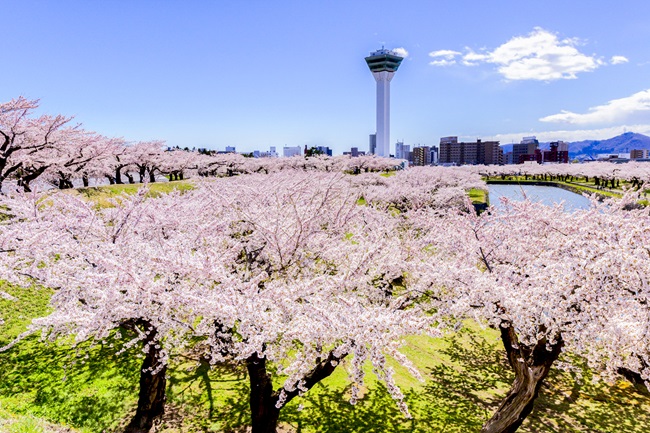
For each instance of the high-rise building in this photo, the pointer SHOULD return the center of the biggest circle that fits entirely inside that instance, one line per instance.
(528, 146)
(490, 153)
(422, 155)
(434, 155)
(477, 152)
(372, 148)
(230, 149)
(383, 64)
(402, 150)
(639, 154)
(559, 153)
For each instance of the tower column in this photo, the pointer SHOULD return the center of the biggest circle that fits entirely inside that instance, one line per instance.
(383, 64)
(383, 112)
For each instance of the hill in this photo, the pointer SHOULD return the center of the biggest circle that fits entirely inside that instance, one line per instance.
(620, 144)
(587, 149)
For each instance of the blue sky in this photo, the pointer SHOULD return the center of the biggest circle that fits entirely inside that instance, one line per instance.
(254, 74)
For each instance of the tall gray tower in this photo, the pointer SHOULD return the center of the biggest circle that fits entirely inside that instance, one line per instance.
(383, 64)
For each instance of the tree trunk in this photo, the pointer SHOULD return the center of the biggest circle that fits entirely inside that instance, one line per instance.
(85, 180)
(531, 366)
(152, 176)
(118, 175)
(264, 414)
(151, 398)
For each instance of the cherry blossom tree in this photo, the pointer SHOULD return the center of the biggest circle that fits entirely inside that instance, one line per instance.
(528, 271)
(318, 274)
(119, 269)
(24, 138)
(83, 155)
(147, 156)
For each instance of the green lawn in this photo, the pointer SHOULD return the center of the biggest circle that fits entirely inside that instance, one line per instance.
(478, 196)
(46, 388)
(102, 195)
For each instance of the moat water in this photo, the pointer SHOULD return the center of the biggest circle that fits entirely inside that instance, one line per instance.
(548, 195)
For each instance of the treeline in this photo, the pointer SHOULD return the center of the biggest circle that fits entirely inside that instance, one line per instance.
(54, 150)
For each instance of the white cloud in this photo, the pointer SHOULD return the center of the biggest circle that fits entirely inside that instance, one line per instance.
(445, 54)
(572, 135)
(442, 62)
(401, 51)
(615, 110)
(617, 60)
(474, 59)
(540, 55)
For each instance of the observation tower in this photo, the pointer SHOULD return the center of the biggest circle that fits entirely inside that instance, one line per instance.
(383, 64)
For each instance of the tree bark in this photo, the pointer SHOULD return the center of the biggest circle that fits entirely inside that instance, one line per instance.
(151, 398)
(263, 399)
(531, 365)
(264, 414)
(118, 175)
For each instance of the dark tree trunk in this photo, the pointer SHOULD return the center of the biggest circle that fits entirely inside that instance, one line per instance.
(151, 398)
(152, 176)
(118, 175)
(85, 181)
(264, 414)
(130, 177)
(531, 365)
(263, 399)
(111, 180)
(142, 171)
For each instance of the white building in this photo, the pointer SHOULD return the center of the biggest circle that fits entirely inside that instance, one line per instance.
(289, 151)
(383, 64)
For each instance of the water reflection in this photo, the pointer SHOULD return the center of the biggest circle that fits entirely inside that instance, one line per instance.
(548, 195)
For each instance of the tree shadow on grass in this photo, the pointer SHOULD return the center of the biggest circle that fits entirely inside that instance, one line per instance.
(64, 385)
(56, 381)
(463, 393)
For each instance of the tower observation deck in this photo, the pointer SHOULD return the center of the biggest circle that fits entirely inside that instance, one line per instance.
(383, 64)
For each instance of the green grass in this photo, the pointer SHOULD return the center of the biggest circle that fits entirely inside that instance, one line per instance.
(57, 382)
(102, 195)
(45, 388)
(478, 196)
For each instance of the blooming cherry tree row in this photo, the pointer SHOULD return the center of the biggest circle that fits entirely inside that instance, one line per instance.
(285, 273)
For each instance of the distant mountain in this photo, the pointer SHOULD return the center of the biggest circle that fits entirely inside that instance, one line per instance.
(620, 144)
(588, 149)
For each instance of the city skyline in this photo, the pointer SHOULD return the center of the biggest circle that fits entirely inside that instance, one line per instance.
(257, 75)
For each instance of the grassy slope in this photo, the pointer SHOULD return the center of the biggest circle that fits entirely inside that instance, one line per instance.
(45, 388)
